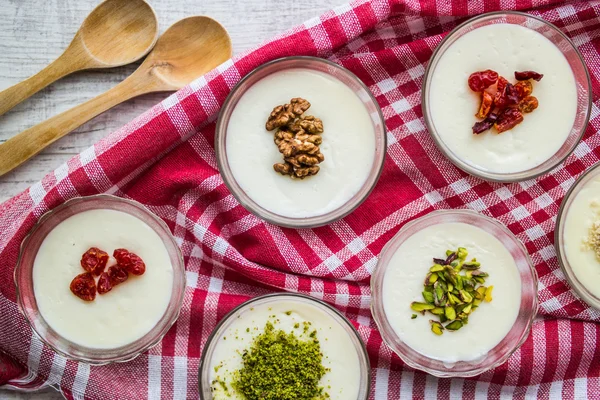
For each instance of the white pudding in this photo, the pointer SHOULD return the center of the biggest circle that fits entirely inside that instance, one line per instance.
(348, 144)
(504, 48)
(403, 284)
(341, 382)
(583, 212)
(121, 316)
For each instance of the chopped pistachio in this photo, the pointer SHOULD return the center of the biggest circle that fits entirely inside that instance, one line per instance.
(416, 306)
(436, 327)
(452, 291)
(488, 294)
(437, 311)
(433, 278)
(436, 268)
(454, 325)
(450, 313)
(465, 296)
(428, 296)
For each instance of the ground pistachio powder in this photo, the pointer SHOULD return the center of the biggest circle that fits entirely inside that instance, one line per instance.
(281, 366)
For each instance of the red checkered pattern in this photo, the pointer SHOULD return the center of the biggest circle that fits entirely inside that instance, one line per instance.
(165, 159)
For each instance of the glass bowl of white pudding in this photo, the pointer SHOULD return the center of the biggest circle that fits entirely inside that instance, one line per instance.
(494, 330)
(506, 42)
(347, 376)
(576, 236)
(118, 325)
(353, 142)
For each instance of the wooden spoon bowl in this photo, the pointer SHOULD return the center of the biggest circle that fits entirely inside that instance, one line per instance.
(117, 33)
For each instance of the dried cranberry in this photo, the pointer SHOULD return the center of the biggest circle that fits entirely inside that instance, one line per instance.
(84, 286)
(524, 75)
(104, 285)
(528, 104)
(512, 96)
(478, 81)
(486, 124)
(130, 261)
(508, 119)
(487, 101)
(523, 88)
(501, 84)
(94, 260)
(117, 275)
(506, 97)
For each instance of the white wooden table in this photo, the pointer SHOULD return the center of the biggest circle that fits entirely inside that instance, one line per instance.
(33, 33)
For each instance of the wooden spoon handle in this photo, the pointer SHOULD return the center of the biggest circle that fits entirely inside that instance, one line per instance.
(28, 143)
(15, 94)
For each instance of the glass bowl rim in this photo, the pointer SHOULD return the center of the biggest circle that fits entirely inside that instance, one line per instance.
(376, 301)
(88, 360)
(269, 216)
(519, 176)
(319, 302)
(576, 285)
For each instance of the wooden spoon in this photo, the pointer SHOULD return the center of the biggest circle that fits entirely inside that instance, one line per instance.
(115, 33)
(187, 50)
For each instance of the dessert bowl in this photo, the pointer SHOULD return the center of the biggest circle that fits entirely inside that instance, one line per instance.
(578, 211)
(443, 354)
(56, 291)
(507, 42)
(344, 352)
(353, 142)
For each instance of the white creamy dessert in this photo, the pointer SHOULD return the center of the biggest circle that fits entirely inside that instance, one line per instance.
(403, 284)
(504, 48)
(583, 212)
(348, 144)
(121, 316)
(341, 382)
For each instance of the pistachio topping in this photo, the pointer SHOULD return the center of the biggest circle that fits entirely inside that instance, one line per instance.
(281, 366)
(452, 290)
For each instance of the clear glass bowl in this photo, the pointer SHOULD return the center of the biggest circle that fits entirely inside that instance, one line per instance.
(23, 276)
(575, 60)
(341, 74)
(559, 244)
(515, 337)
(204, 381)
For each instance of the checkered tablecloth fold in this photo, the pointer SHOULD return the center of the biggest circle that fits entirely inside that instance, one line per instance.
(165, 159)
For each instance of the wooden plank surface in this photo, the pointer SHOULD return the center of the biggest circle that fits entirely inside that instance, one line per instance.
(33, 33)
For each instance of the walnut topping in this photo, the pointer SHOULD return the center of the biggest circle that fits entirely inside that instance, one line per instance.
(297, 137)
(308, 123)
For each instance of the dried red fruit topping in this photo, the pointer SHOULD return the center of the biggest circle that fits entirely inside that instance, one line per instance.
(528, 104)
(523, 88)
(104, 285)
(84, 286)
(117, 275)
(487, 101)
(524, 75)
(478, 81)
(506, 97)
(94, 260)
(501, 83)
(130, 261)
(508, 119)
(486, 124)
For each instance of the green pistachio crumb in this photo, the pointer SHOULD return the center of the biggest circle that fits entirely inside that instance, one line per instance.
(281, 366)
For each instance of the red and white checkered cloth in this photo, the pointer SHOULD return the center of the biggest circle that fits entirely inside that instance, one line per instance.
(165, 159)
